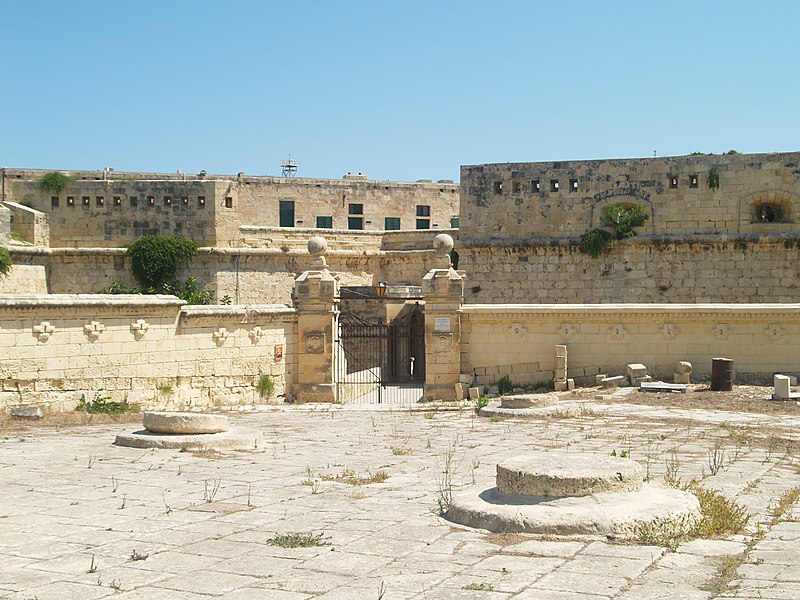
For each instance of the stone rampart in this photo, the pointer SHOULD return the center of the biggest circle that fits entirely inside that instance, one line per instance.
(149, 349)
(30, 224)
(520, 340)
(670, 269)
(685, 195)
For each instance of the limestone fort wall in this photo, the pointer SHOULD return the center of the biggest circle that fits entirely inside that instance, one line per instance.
(519, 340)
(111, 209)
(684, 196)
(149, 349)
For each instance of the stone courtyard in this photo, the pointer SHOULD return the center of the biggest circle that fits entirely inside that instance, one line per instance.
(81, 518)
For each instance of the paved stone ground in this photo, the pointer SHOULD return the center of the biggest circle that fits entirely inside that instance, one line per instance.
(77, 512)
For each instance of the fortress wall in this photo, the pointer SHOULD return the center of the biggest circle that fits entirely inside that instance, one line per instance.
(257, 201)
(519, 340)
(128, 346)
(247, 276)
(502, 201)
(114, 213)
(689, 269)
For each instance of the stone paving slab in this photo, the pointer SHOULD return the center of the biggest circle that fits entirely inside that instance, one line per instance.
(69, 495)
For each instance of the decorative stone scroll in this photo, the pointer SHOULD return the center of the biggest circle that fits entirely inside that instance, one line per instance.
(721, 331)
(220, 335)
(93, 330)
(139, 328)
(43, 331)
(256, 333)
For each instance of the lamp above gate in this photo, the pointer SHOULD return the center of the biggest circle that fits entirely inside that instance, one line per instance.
(380, 290)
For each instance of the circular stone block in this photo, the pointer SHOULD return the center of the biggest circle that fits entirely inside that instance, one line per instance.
(184, 423)
(443, 243)
(235, 439)
(527, 400)
(567, 476)
(317, 246)
(617, 514)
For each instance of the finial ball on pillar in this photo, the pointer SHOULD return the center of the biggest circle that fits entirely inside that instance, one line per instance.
(443, 243)
(317, 246)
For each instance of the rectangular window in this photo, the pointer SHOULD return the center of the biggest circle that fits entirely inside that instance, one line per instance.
(324, 222)
(673, 183)
(516, 187)
(286, 213)
(85, 200)
(70, 200)
(185, 200)
(54, 201)
(454, 222)
(100, 200)
(355, 209)
(228, 202)
(536, 185)
(151, 200)
(117, 201)
(498, 187)
(423, 223)
(554, 185)
(201, 201)
(423, 210)
(391, 223)
(167, 200)
(692, 181)
(355, 222)
(573, 185)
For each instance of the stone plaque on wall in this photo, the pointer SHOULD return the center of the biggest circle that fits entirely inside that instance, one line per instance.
(315, 342)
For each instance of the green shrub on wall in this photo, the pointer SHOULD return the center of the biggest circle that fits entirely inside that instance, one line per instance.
(5, 263)
(621, 219)
(54, 181)
(155, 258)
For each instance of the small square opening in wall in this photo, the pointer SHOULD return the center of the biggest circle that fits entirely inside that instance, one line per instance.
(85, 200)
(185, 200)
(167, 200)
(151, 200)
(516, 187)
(117, 201)
(554, 185)
(228, 202)
(536, 185)
(70, 200)
(673, 182)
(54, 201)
(134, 200)
(693, 181)
(99, 200)
(573, 185)
(201, 201)
(498, 187)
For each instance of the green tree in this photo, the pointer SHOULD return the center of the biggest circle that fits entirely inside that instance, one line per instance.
(155, 258)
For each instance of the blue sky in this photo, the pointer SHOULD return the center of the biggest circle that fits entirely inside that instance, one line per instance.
(399, 90)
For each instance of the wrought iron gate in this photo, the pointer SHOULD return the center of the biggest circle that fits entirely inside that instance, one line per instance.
(378, 362)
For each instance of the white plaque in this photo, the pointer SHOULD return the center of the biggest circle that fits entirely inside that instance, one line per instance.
(441, 324)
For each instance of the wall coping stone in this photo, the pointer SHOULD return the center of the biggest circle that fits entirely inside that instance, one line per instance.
(15, 301)
(239, 310)
(687, 311)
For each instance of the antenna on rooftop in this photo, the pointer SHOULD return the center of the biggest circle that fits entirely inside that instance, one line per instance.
(289, 167)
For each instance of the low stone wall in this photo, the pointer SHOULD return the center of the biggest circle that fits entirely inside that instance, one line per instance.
(152, 350)
(519, 340)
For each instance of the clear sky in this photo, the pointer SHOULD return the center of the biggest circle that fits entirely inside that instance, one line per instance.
(400, 90)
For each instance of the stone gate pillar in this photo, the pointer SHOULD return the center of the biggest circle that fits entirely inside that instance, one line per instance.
(316, 293)
(443, 291)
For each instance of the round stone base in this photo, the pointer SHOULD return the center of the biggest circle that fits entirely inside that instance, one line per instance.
(527, 400)
(184, 422)
(550, 475)
(615, 514)
(235, 439)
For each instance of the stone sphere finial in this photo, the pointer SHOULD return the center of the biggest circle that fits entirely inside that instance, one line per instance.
(317, 246)
(443, 243)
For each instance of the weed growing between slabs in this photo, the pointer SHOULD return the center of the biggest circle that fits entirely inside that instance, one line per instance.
(299, 540)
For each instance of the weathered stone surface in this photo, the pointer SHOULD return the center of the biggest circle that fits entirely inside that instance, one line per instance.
(527, 400)
(184, 423)
(607, 513)
(234, 439)
(567, 476)
(33, 413)
(683, 366)
(683, 378)
(615, 381)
